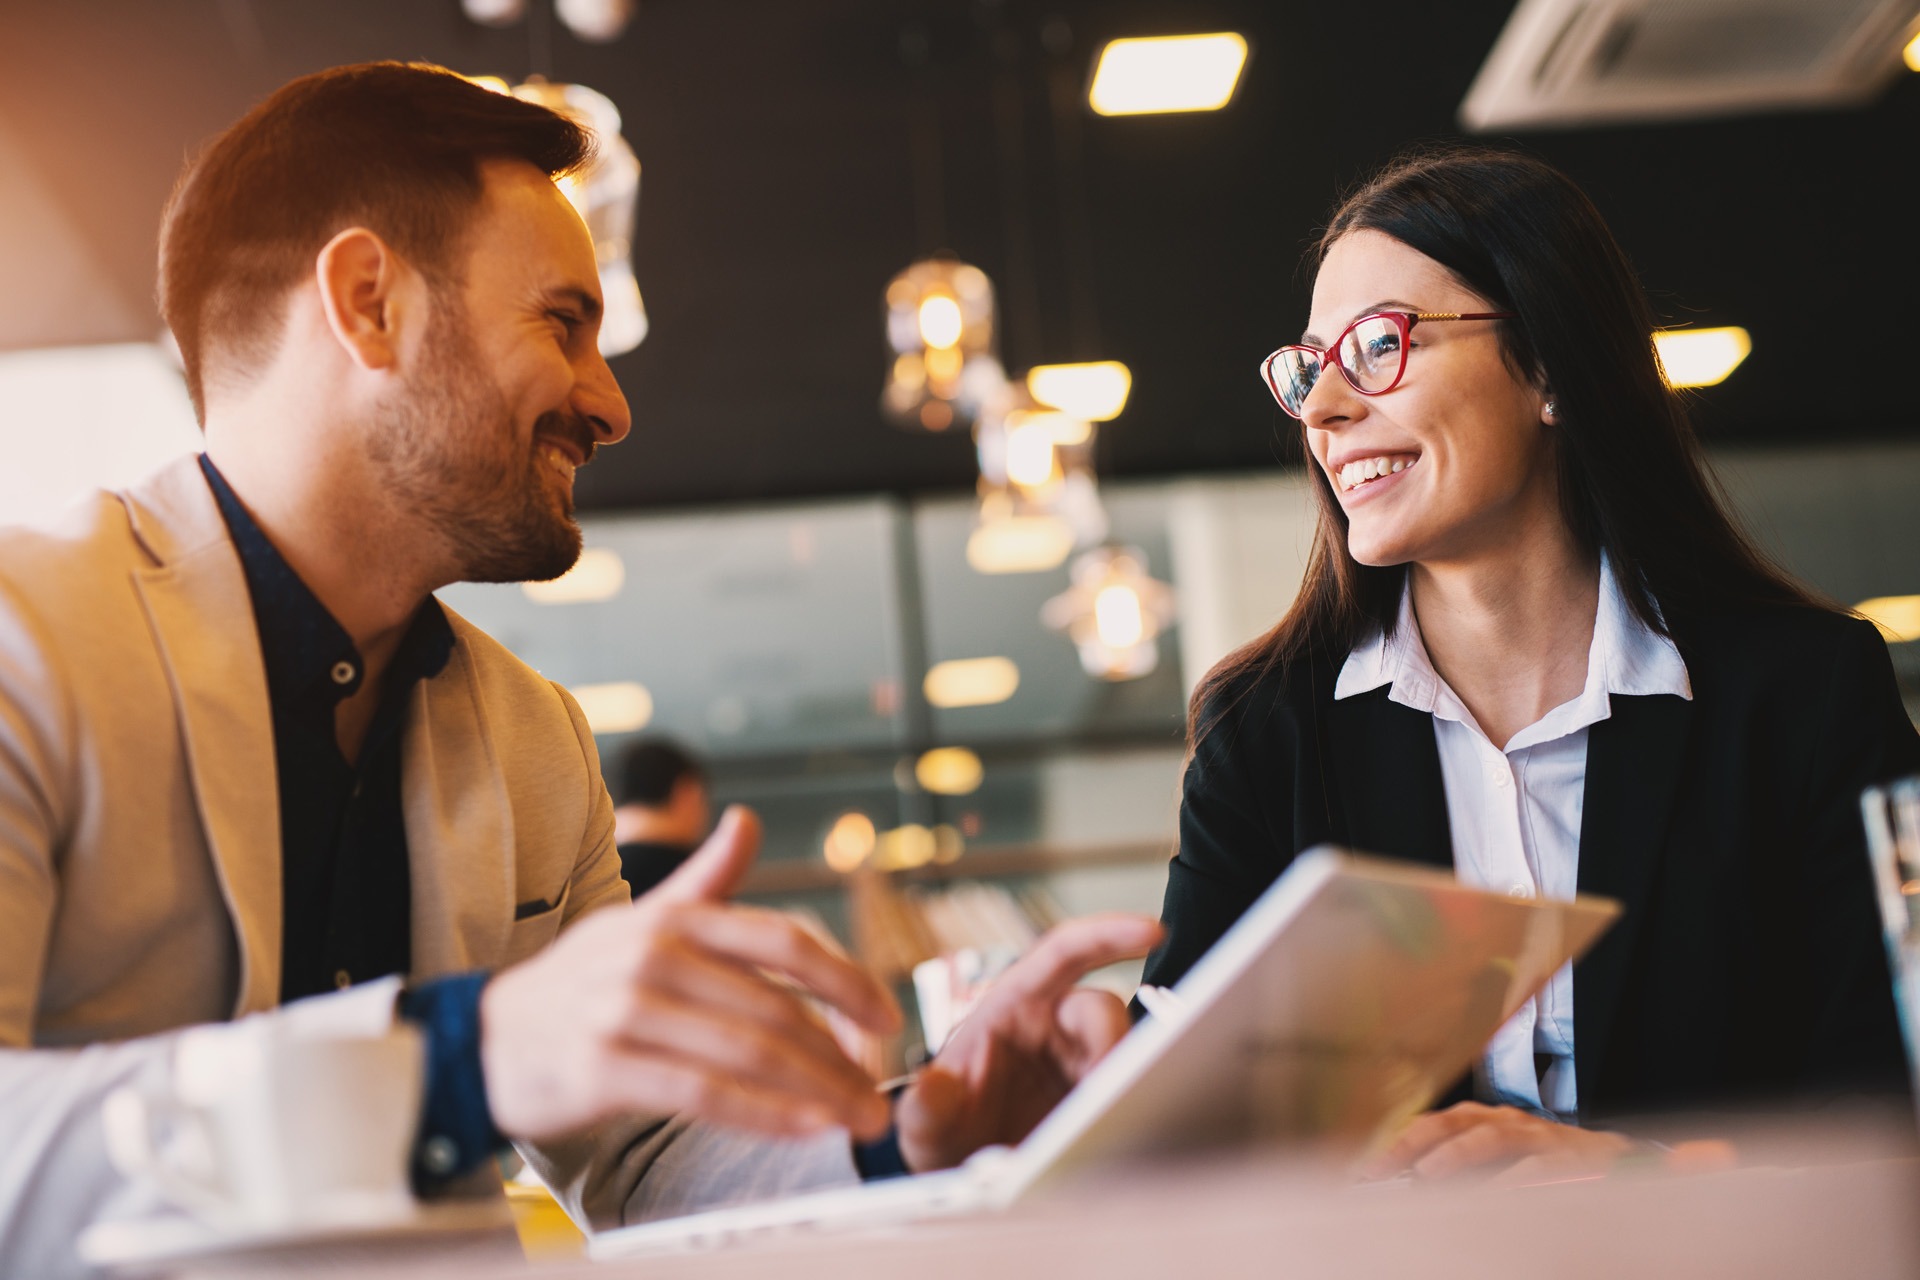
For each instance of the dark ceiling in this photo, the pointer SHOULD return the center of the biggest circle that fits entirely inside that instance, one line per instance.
(779, 142)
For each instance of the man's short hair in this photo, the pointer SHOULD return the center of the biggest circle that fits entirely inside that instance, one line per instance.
(650, 770)
(394, 147)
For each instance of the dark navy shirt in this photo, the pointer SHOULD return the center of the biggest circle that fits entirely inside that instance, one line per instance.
(346, 899)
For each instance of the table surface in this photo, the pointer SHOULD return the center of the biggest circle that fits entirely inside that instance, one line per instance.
(1809, 1203)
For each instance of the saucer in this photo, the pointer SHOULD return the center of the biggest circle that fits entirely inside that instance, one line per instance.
(179, 1238)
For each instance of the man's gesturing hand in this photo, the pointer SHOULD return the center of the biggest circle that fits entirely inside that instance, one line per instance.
(668, 1006)
(1028, 1041)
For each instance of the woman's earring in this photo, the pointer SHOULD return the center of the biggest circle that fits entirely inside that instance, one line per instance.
(1551, 411)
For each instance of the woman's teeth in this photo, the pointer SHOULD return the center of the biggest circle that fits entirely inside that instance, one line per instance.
(1355, 474)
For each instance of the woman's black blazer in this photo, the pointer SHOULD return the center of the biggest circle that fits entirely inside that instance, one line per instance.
(1748, 963)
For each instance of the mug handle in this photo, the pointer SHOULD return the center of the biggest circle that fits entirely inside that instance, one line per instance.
(136, 1127)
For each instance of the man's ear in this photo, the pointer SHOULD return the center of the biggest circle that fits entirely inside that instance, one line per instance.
(360, 279)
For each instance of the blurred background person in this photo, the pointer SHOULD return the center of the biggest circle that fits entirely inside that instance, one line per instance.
(665, 810)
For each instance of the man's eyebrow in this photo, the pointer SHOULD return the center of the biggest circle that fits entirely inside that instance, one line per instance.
(577, 296)
(1388, 304)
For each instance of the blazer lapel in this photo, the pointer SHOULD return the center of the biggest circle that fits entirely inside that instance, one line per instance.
(1633, 772)
(460, 836)
(1388, 765)
(196, 600)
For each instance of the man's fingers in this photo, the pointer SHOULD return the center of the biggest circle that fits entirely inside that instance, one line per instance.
(716, 868)
(713, 984)
(1074, 948)
(649, 1082)
(772, 1062)
(701, 978)
(771, 941)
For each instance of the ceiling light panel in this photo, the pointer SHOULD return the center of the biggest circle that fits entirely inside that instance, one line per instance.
(1093, 392)
(1701, 357)
(971, 682)
(1168, 73)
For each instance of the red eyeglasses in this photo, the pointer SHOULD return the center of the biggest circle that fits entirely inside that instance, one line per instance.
(1372, 356)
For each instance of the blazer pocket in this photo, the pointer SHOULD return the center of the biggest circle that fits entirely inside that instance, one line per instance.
(535, 924)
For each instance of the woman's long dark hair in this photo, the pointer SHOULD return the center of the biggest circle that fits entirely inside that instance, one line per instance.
(1632, 480)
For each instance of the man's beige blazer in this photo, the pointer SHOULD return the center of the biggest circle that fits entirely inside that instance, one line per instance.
(140, 874)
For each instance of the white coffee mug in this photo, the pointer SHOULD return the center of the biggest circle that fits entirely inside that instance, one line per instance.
(266, 1124)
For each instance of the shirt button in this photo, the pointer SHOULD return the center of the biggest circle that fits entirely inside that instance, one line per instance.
(342, 979)
(1501, 778)
(439, 1156)
(1520, 891)
(343, 673)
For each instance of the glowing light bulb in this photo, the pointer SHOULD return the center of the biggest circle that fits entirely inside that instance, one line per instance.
(1117, 616)
(849, 841)
(945, 364)
(1030, 455)
(940, 321)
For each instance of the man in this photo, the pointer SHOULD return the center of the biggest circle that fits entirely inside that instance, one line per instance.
(246, 759)
(663, 811)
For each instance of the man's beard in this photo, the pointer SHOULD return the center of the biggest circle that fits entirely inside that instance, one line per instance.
(451, 457)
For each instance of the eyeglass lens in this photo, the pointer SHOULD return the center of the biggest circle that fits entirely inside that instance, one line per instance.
(1370, 353)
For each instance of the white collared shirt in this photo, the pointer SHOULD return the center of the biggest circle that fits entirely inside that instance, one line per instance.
(1514, 814)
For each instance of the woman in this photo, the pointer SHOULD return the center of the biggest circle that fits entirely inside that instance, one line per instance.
(1532, 645)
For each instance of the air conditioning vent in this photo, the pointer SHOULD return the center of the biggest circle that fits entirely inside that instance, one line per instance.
(1578, 62)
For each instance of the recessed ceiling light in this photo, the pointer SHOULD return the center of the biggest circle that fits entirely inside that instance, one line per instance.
(971, 682)
(1019, 544)
(1168, 73)
(849, 841)
(596, 576)
(1701, 357)
(1094, 392)
(620, 707)
(1898, 617)
(949, 771)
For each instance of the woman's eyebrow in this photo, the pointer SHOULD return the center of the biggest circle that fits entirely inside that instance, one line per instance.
(1388, 304)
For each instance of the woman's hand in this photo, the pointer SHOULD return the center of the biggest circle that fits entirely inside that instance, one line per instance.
(1024, 1046)
(1514, 1146)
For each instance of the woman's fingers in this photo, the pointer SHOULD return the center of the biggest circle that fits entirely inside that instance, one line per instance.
(1072, 949)
(1485, 1143)
(1423, 1135)
(1091, 1023)
(1471, 1136)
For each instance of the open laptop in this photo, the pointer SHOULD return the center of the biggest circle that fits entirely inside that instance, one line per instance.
(1351, 994)
(1892, 816)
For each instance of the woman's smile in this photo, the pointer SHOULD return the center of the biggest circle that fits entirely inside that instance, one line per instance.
(1369, 471)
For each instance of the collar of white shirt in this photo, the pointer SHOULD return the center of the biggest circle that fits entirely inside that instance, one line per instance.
(1627, 657)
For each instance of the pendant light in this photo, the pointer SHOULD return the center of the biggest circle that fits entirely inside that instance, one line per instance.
(943, 370)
